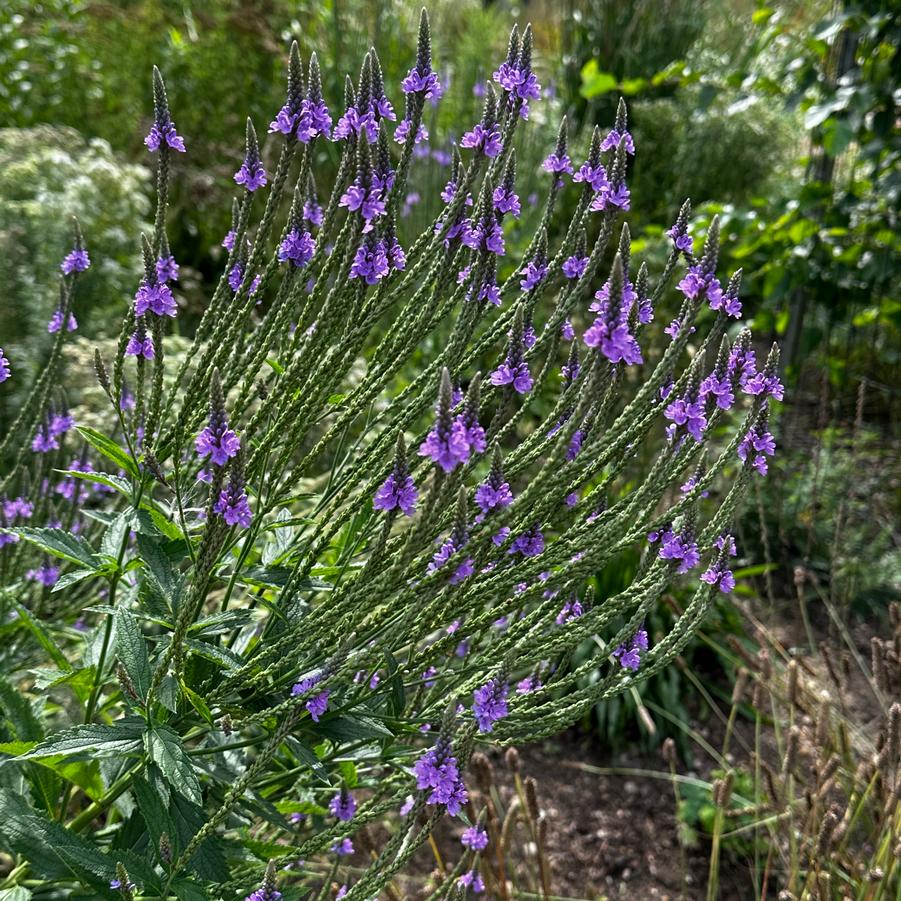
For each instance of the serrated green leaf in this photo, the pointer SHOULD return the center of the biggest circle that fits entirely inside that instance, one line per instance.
(132, 650)
(198, 703)
(159, 569)
(347, 728)
(110, 450)
(165, 749)
(63, 545)
(99, 739)
(74, 577)
(103, 478)
(226, 659)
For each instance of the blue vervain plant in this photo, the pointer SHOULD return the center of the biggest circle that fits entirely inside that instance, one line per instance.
(365, 507)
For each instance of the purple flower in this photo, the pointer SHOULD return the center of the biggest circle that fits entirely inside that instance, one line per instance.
(571, 610)
(475, 838)
(558, 164)
(717, 573)
(761, 383)
(217, 441)
(76, 260)
(486, 139)
(314, 119)
(609, 196)
(616, 343)
(318, 705)
(593, 176)
(486, 236)
(56, 322)
(397, 259)
(447, 446)
(534, 275)
(370, 262)
(515, 374)
(690, 414)
(251, 174)
(368, 201)
(629, 656)
(575, 266)
(344, 847)
(506, 201)
(297, 246)
(397, 491)
(402, 132)
(163, 132)
(719, 390)
(228, 242)
(140, 344)
(680, 237)
(44, 440)
(679, 547)
(166, 269)
(156, 298)
(419, 81)
(355, 122)
(312, 212)
(436, 771)
(759, 444)
(233, 505)
(530, 543)
(343, 806)
(5, 370)
(611, 142)
(47, 575)
(490, 704)
(471, 880)
(567, 331)
(489, 495)
(697, 283)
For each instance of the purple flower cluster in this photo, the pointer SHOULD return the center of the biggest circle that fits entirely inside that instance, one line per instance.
(233, 505)
(251, 174)
(530, 543)
(698, 283)
(489, 704)
(437, 772)
(687, 413)
(369, 201)
(217, 441)
(140, 344)
(571, 610)
(575, 266)
(557, 164)
(76, 260)
(678, 234)
(157, 298)
(629, 655)
(312, 119)
(56, 322)
(483, 139)
(611, 142)
(166, 269)
(677, 547)
(612, 196)
(475, 838)
(5, 370)
(421, 81)
(758, 444)
(610, 332)
(471, 880)
(297, 246)
(318, 704)
(343, 806)
(718, 574)
(370, 261)
(493, 493)
(535, 273)
(398, 491)
(163, 132)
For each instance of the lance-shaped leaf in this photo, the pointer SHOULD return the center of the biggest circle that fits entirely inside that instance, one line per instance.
(62, 544)
(132, 650)
(97, 739)
(166, 750)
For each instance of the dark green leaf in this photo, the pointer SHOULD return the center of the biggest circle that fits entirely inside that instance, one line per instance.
(110, 450)
(132, 650)
(99, 739)
(62, 544)
(165, 749)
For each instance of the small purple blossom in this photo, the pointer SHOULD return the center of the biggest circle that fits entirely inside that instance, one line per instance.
(679, 547)
(343, 806)
(56, 322)
(594, 177)
(437, 772)
(166, 269)
(688, 413)
(490, 704)
(251, 174)
(483, 139)
(76, 260)
(558, 164)
(398, 491)
(370, 262)
(297, 246)
(156, 298)
(317, 705)
(574, 266)
(343, 847)
(611, 142)
(758, 444)
(471, 880)
(571, 610)
(475, 838)
(163, 132)
(516, 374)
(217, 441)
(534, 274)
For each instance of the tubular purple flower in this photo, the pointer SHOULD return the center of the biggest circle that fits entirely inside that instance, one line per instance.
(76, 260)
(679, 547)
(140, 344)
(370, 261)
(574, 267)
(5, 370)
(157, 298)
(475, 838)
(343, 806)
(758, 444)
(558, 164)
(437, 772)
(483, 139)
(56, 322)
(297, 246)
(164, 133)
(611, 142)
(683, 411)
(490, 704)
